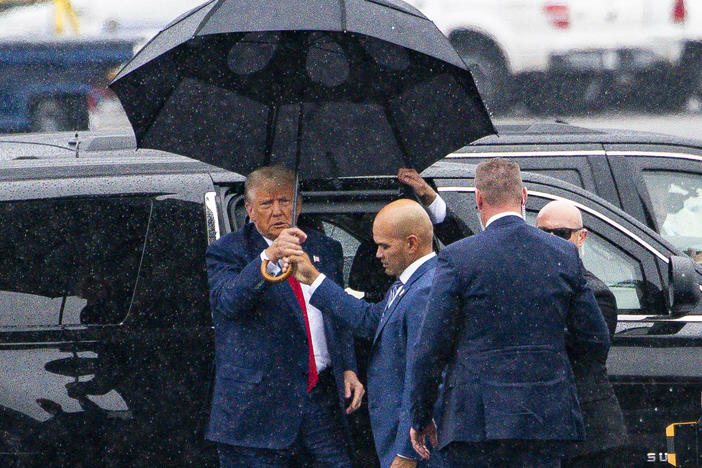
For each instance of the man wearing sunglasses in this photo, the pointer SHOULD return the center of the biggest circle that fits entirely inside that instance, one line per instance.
(604, 424)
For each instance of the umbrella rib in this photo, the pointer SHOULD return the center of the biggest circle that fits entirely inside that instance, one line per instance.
(207, 17)
(153, 121)
(144, 47)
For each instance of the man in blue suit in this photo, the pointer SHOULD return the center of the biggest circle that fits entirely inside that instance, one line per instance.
(496, 318)
(403, 232)
(282, 370)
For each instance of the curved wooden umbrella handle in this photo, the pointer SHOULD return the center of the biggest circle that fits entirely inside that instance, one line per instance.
(276, 279)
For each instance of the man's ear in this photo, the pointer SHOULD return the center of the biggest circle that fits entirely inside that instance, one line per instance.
(478, 199)
(412, 243)
(583, 235)
(248, 207)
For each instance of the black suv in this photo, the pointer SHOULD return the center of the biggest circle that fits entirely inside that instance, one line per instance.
(106, 337)
(655, 178)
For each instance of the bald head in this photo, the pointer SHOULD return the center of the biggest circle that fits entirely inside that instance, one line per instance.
(563, 214)
(405, 217)
(404, 233)
(559, 213)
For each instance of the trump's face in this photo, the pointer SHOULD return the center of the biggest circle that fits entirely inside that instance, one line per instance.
(270, 209)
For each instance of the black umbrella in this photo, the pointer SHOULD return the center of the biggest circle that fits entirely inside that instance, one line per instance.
(329, 88)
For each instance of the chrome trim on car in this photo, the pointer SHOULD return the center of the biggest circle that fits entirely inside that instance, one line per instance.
(582, 207)
(213, 231)
(657, 154)
(658, 318)
(492, 154)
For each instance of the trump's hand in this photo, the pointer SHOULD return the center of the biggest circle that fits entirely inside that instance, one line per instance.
(288, 243)
(420, 186)
(353, 387)
(419, 439)
(305, 272)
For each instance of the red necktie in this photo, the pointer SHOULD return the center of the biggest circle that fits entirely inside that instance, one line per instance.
(312, 377)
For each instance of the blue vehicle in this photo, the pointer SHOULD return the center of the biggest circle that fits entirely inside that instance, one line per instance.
(48, 85)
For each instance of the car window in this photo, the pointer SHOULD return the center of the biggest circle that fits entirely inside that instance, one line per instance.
(70, 261)
(349, 245)
(677, 206)
(619, 270)
(609, 253)
(177, 242)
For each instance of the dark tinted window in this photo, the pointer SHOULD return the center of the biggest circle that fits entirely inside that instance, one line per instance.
(569, 175)
(172, 289)
(70, 261)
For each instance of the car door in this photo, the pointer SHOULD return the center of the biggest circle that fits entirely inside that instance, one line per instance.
(651, 362)
(105, 335)
(669, 185)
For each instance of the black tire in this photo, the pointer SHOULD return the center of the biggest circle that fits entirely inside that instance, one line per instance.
(490, 73)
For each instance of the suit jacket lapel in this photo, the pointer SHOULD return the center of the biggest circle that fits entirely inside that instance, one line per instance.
(423, 268)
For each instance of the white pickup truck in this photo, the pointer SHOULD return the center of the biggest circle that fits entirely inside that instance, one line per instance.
(557, 51)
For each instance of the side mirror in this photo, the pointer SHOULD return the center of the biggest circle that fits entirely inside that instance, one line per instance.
(683, 289)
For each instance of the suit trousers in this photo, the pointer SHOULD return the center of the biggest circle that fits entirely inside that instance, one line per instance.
(320, 440)
(502, 453)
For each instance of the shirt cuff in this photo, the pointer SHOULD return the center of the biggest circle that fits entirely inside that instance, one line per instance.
(405, 457)
(437, 210)
(272, 268)
(315, 284)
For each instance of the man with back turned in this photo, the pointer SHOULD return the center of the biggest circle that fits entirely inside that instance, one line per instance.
(495, 320)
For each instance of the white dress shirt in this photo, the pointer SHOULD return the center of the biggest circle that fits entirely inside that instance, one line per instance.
(437, 210)
(314, 318)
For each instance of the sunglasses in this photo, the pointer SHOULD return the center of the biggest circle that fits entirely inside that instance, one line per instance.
(563, 233)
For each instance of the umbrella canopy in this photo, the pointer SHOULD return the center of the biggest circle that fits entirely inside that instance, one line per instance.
(331, 88)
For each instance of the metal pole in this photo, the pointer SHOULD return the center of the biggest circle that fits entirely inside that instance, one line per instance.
(297, 162)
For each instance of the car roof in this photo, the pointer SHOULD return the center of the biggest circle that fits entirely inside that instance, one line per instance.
(94, 153)
(563, 133)
(118, 147)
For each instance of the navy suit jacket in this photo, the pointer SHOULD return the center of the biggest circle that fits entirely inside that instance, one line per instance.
(390, 356)
(261, 348)
(496, 317)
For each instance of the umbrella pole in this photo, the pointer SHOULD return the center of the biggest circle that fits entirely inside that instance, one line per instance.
(291, 268)
(295, 198)
(297, 162)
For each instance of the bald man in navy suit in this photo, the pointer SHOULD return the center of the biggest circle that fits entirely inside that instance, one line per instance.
(403, 233)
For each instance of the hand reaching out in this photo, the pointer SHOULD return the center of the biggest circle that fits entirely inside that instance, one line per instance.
(423, 190)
